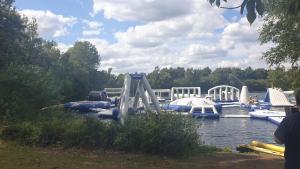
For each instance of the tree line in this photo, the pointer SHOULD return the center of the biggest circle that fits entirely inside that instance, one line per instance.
(34, 73)
(257, 80)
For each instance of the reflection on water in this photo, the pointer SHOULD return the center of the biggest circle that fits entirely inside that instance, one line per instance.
(229, 132)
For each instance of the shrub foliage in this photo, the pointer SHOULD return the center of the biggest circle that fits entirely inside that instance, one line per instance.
(163, 134)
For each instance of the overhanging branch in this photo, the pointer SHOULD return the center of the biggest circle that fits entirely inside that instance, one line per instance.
(223, 7)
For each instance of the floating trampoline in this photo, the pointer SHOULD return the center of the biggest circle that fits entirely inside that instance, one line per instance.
(276, 120)
(207, 111)
(177, 108)
(265, 114)
(197, 107)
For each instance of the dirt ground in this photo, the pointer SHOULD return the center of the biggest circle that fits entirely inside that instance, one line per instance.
(18, 157)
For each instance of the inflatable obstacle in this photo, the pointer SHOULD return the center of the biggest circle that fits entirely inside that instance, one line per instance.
(256, 146)
(86, 106)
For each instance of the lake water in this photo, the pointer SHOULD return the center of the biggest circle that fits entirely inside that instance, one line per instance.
(229, 132)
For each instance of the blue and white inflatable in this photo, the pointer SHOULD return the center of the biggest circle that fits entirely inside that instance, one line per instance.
(197, 107)
(86, 106)
(265, 114)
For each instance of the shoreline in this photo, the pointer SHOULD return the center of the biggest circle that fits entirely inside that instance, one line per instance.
(14, 156)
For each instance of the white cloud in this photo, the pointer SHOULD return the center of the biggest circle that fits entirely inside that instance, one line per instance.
(200, 51)
(169, 33)
(142, 10)
(50, 24)
(240, 39)
(94, 24)
(226, 63)
(166, 42)
(153, 33)
(92, 28)
(195, 25)
(91, 32)
(169, 43)
(240, 33)
(63, 47)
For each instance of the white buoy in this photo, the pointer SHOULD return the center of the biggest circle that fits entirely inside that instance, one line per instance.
(244, 98)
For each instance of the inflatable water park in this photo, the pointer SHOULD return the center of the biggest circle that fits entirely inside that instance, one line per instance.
(137, 96)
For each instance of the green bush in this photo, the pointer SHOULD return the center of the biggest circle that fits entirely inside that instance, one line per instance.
(84, 132)
(25, 89)
(25, 133)
(44, 128)
(162, 134)
(51, 134)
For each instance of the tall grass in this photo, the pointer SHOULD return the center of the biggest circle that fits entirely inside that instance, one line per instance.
(166, 134)
(162, 134)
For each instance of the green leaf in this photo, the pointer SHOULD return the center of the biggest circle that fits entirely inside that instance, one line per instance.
(243, 6)
(260, 8)
(218, 3)
(251, 6)
(211, 1)
(251, 15)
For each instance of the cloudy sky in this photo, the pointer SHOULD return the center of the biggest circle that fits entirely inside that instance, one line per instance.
(137, 35)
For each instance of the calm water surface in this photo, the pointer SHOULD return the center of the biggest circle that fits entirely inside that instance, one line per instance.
(229, 132)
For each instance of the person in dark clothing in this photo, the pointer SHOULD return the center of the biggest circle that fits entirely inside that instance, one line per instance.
(288, 133)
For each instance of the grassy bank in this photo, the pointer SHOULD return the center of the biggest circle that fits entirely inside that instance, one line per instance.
(150, 133)
(18, 157)
(60, 140)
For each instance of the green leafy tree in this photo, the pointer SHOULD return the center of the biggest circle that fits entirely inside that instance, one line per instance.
(283, 30)
(80, 70)
(25, 89)
(257, 84)
(12, 34)
(293, 78)
(84, 55)
(278, 78)
(28, 65)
